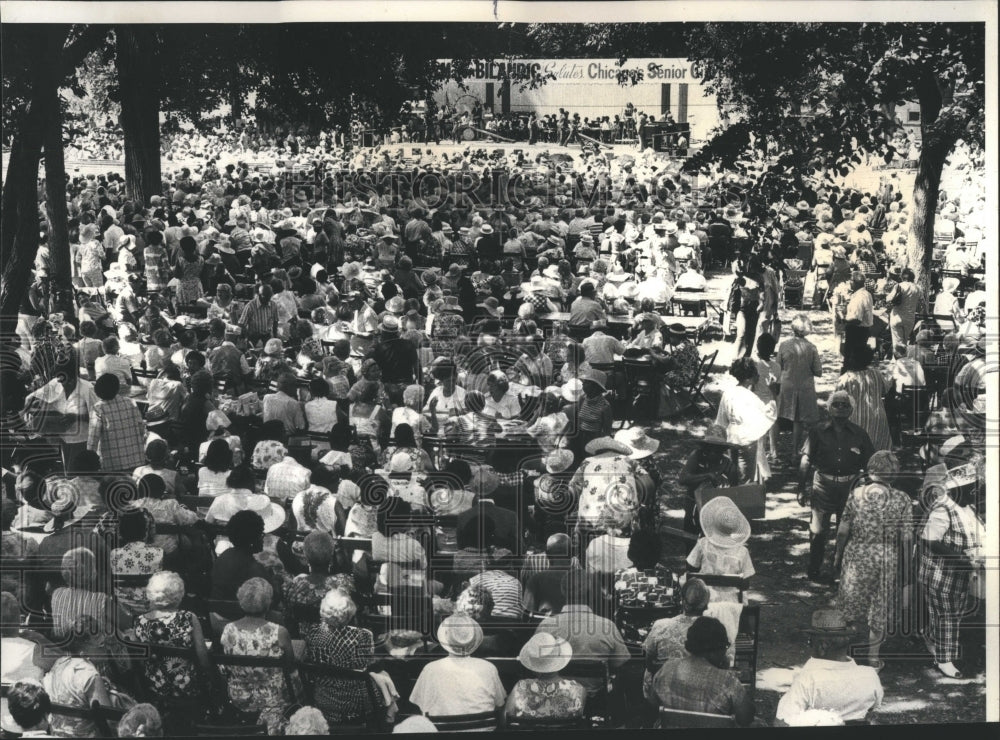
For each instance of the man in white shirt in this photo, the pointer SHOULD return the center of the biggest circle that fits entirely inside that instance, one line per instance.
(458, 684)
(112, 362)
(690, 279)
(600, 348)
(831, 680)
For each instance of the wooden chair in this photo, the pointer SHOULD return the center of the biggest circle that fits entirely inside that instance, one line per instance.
(725, 581)
(529, 724)
(681, 719)
(747, 645)
(310, 672)
(466, 722)
(913, 404)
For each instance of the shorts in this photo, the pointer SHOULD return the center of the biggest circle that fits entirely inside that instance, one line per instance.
(828, 495)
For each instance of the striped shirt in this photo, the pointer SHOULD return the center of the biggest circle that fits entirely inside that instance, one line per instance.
(505, 590)
(258, 320)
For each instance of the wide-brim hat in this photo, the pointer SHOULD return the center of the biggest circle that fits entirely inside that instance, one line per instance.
(451, 304)
(597, 377)
(460, 635)
(607, 444)
(671, 228)
(395, 305)
(572, 390)
(350, 270)
(272, 513)
(723, 523)
(486, 229)
(839, 252)
(430, 277)
(618, 277)
(677, 330)
(641, 443)
(829, 622)
(455, 270)
(629, 290)
(558, 461)
(545, 653)
(491, 305)
(485, 480)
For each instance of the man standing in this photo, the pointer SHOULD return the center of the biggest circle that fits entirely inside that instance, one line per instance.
(859, 316)
(260, 316)
(117, 430)
(837, 451)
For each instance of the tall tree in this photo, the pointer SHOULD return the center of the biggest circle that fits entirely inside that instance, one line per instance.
(138, 63)
(818, 96)
(39, 82)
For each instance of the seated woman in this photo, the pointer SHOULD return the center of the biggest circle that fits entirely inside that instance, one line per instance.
(137, 556)
(215, 468)
(649, 335)
(403, 558)
(172, 679)
(336, 643)
(157, 458)
(701, 681)
(722, 551)
(546, 695)
(75, 679)
(711, 464)
(326, 572)
(403, 440)
(259, 691)
(81, 596)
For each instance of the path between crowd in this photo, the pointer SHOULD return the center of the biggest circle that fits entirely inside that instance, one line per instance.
(779, 547)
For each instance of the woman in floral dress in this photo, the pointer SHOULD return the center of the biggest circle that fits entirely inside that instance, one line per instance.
(172, 679)
(157, 266)
(874, 529)
(91, 257)
(136, 557)
(258, 690)
(188, 272)
(546, 695)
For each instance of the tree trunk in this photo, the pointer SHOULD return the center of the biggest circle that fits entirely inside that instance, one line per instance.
(920, 246)
(137, 61)
(236, 104)
(61, 285)
(19, 235)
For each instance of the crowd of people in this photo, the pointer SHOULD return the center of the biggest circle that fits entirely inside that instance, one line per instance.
(381, 439)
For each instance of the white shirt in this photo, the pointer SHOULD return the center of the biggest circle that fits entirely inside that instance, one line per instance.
(507, 407)
(321, 414)
(458, 686)
(286, 478)
(447, 405)
(842, 687)
(80, 402)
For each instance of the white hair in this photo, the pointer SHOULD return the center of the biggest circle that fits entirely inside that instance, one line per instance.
(165, 590)
(307, 721)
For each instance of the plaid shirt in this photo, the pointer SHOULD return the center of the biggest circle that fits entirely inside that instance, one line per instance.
(694, 685)
(118, 434)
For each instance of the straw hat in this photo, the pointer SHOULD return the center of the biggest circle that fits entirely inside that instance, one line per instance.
(606, 444)
(486, 229)
(273, 346)
(572, 390)
(723, 523)
(545, 653)
(395, 305)
(460, 635)
(429, 277)
(273, 514)
(558, 461)
(641, 443)
(829, 622)
(598, 377)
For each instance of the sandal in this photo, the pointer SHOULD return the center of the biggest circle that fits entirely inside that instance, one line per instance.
(953, 673)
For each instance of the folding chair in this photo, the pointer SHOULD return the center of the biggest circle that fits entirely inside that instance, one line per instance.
(696, 390)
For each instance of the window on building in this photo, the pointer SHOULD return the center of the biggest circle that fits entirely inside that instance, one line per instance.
(913, 116)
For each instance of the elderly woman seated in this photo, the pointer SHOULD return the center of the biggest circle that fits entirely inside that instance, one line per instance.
(701, 681)
(546, 695)
(335, 642)
(259, 691)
